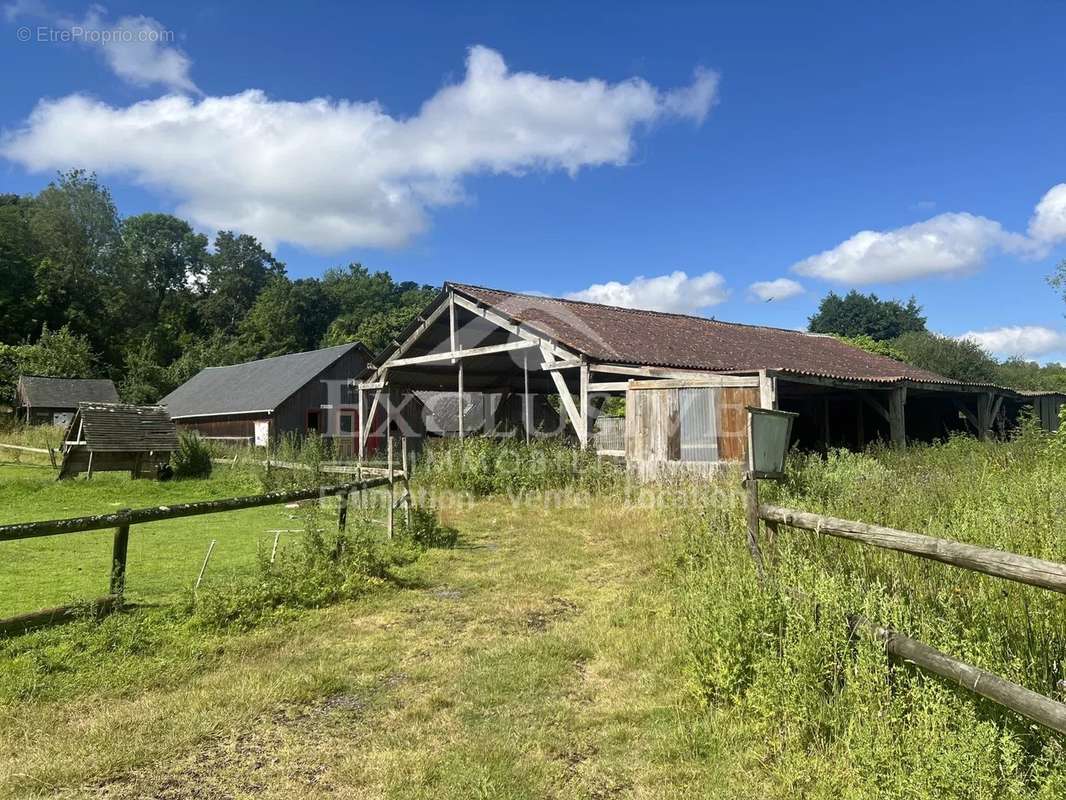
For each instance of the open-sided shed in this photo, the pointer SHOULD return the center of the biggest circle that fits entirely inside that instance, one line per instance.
(686, 379)
(113, 437)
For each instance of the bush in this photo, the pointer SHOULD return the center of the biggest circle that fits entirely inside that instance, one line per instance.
(192, 459)
(426, 529)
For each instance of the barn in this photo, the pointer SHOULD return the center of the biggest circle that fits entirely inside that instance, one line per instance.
(41, 400)
(258, 401)
(686, 380)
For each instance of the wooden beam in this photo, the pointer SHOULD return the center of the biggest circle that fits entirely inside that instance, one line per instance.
(458, 355)
(708, 382)
(998, 563)
(876, 405)
(517, 329)
(609, 386)
(566, 398)
(567, 364)
(414, 336)
(680, 374)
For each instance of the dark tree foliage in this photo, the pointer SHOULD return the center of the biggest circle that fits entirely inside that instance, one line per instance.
(858, 314)
(144, 301)
(959, 359)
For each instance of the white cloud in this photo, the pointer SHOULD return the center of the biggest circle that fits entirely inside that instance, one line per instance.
(947, 244)
(1048, 223)
(779, 289)
(138, 49)
(1019, 340)
(675, 292)
(332, 174)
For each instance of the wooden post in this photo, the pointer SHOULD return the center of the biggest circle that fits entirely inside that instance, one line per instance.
(767, 390)
(525, 397)
(342, 511)
(583, 434)
(987, 408)
(752, 487)
(362, 424)
(392, 489)
(897, 417)
(860, 425)
(119, 550)
(406, 483)
(462, 413)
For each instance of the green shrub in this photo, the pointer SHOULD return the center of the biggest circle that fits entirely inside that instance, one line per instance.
(426, 529)
(192, 459)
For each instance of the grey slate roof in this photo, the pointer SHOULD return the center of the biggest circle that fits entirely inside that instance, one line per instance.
(254, 386)
(41, 392)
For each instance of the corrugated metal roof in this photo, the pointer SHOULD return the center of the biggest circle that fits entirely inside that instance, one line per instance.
(654, 338)
(254, 386)
(43, 392)
(118, 428)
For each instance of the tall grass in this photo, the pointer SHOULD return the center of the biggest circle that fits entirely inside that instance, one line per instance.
(485, 466)
(828, 712)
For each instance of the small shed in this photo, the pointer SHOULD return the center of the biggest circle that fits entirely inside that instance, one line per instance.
(113, 437)
(41, 400)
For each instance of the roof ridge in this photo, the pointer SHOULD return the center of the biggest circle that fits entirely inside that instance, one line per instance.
(632, 310)
(349, 345)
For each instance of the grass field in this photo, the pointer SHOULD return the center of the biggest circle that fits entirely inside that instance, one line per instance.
(592, 649)
(164, 557)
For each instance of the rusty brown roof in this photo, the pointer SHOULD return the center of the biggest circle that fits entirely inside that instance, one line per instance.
(654, 338)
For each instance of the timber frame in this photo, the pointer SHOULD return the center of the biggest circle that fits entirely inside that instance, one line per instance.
(463, 344)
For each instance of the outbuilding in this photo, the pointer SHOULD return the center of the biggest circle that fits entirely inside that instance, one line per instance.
(114, 437)
(686, 380)
(41, 400)
(259, 401)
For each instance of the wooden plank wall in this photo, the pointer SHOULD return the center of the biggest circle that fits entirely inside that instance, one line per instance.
(653, 431)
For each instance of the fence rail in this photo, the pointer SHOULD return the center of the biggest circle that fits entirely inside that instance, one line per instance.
(998, 563)
(1031, 571)
(122, 520)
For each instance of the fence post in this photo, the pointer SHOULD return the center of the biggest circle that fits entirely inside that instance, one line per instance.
(118, 558)
(342, 512)
(392, 489)
(752, 487)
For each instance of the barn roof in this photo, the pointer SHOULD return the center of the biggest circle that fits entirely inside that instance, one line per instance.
(654, 338)
(119, 428)
(254, 386)
(43, 392)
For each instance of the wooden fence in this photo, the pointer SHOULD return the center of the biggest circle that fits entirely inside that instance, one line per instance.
(18, 448)
(121, 521)
(987, 561)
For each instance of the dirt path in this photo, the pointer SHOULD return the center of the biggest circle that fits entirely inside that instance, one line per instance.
(537, 659)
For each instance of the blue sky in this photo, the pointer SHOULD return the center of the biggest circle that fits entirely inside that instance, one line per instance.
(513, 148)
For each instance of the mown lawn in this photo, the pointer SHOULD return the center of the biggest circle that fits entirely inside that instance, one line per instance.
(164, 557)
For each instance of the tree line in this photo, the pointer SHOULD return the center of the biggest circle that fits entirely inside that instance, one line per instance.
(898, 330)
(147, 301)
